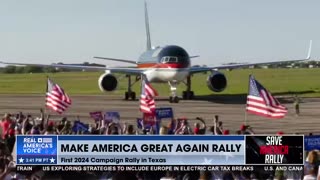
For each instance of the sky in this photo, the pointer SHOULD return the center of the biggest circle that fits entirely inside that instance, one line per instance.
(74, 31)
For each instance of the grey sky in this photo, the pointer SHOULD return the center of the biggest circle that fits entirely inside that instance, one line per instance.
(44, 31)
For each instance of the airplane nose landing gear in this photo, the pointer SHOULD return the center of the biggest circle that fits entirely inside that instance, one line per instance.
(173, 88)
(174, 99)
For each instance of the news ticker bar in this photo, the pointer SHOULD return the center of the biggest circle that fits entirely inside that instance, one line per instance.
(250, 168)
(159, 150)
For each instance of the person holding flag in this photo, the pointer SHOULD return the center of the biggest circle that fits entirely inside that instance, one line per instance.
(262, 103)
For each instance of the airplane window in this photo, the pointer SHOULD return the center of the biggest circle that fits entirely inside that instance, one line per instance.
(173, 59)
(169, 59)
(164, 59)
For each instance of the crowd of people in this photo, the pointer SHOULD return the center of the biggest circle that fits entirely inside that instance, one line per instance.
(15, 124)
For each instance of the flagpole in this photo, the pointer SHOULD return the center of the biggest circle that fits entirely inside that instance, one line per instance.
(245, 117)
(245, 110)
(45, 96)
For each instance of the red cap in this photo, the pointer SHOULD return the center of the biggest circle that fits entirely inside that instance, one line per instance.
(226, 132)
(280, 133)
(243, 127)
(51, 123)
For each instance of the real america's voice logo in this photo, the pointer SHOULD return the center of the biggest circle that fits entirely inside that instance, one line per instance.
(36, 149)
(34, 145)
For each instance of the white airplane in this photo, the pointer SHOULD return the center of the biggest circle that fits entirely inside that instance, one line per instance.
(168, 64)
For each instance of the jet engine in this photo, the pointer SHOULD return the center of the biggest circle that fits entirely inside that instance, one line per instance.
(107, 82)
(217, 81)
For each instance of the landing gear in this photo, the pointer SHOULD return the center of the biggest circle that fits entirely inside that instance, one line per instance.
(130, 94)
(188, 94)
(173, 88)
(174, 99)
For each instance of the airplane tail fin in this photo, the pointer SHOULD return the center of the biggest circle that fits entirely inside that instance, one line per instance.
(309, 51)
(147, 26)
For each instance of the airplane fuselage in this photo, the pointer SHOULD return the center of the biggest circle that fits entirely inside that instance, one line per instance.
(164, 64)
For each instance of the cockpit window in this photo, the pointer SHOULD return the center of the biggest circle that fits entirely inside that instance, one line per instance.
(169, 59)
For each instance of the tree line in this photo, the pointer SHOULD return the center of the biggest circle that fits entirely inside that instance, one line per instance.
(36, 69)
(27, 69)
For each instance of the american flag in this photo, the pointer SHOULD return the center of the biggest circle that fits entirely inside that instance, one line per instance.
(262, 103)
(56, 98)
(147, 103)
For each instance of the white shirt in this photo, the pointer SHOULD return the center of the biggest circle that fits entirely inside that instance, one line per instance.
(309, 177)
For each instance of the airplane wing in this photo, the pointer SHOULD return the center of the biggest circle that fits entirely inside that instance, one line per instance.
(194, 70)
(118, 60)
(123, 70)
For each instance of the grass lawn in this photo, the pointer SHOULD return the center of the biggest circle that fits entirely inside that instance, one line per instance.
(283, 81)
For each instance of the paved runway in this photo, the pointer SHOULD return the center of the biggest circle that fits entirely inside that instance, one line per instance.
(231, 110)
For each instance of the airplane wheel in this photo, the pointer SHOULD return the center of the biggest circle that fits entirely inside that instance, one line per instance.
(126, 96)
(191, 95)
(170, 99)
(176, 99)
(187, 95)
(133, 95)
(184, 95)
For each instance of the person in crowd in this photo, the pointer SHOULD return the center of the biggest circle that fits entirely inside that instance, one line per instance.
(226, 132)
(10, 140)
(114, 129)
(184, 128)
(312, 161)
(64, 127)
(163, 130)
(172, 126)
(218, 128)
(246, 129)
(129, 129)
(200, 129)
(5, 124)
(311, 173)
(297, 105)
(50, 129)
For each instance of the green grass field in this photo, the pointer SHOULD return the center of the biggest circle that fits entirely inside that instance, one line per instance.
(287, 81)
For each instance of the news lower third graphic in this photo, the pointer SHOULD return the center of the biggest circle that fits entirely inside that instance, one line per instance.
(131, 150)
(150, 150)
(36, 150)
(272, 150)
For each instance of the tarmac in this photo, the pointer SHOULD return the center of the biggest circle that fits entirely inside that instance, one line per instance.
(231, 110)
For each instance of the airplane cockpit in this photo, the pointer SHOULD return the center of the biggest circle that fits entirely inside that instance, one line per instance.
(169, 59)
(174, 55)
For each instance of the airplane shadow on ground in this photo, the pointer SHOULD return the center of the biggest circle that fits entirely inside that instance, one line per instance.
(242, 98)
